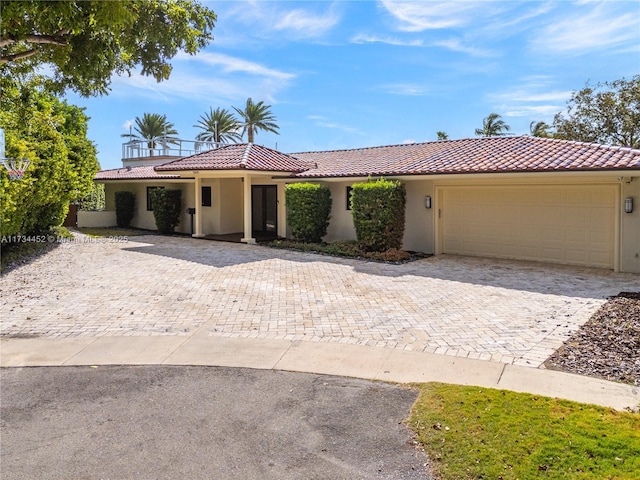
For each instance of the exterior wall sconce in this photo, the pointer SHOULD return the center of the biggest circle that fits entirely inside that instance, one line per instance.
(427, 202)
(628, 205)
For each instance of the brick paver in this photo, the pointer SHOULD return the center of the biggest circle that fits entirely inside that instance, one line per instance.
(504, 311)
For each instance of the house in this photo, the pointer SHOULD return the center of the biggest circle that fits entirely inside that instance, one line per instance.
(515, 197)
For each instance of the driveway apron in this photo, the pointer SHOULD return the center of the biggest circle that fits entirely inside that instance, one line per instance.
(511, 312)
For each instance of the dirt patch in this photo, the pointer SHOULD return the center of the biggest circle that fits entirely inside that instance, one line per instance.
(608, 345)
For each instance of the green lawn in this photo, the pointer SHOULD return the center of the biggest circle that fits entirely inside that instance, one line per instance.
(480, 433)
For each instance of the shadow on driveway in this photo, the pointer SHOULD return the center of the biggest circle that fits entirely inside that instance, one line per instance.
(569, 281)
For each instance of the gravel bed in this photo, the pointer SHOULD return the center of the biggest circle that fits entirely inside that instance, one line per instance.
(608, 345)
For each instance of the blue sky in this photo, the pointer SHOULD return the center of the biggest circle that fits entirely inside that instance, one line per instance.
(350, 74)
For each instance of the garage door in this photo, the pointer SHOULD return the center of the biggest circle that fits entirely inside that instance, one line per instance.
(561, 224)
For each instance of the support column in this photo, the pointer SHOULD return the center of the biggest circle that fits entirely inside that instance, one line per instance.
(198, 204)
(248, 238)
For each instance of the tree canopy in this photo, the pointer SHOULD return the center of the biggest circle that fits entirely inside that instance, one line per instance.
(607, 113)
(85, 42)
(493, 126)
(52, 135)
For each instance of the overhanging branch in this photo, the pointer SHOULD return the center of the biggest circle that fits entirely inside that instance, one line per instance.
(59, 39)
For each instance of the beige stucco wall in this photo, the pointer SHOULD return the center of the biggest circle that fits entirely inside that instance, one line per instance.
(97, 218)
(231, 200)
(630, 226)
(143, 218)
(341, 221)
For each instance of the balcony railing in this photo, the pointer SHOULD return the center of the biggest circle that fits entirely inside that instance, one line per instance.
(162, 147)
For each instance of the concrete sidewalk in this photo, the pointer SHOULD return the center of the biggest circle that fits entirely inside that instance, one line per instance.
(373, 363)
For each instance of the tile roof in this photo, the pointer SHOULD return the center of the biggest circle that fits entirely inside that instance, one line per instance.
(473, 155)
(242, 156)
(143, 172)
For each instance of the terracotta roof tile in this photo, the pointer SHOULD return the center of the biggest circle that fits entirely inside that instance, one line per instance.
(473, 155)
(131, 173)
(243, 156)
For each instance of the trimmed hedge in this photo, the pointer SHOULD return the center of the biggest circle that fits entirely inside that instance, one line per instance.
(167, 205)
(125, 208)
(308, 211)
(379, 214)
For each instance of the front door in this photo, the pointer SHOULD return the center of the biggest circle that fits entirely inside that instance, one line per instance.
(264, 211)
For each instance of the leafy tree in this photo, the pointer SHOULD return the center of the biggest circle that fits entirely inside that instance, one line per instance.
(442, 135)
(256, 116)
(493, 126)
(53, 136)
(539, 129)
(219, 126)
(607, 113)
(153, 128)
(86, 42)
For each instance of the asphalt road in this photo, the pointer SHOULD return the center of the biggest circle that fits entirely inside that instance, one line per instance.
(151, 422)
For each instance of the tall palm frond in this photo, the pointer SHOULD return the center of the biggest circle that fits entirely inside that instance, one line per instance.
(219, 126)
(257, 116)
(153, 128)
(493, 126)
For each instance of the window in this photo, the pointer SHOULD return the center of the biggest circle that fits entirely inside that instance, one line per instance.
(206, 196)
(349, 197)
(149, 190)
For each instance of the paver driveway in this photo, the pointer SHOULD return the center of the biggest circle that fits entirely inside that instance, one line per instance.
(504, 311)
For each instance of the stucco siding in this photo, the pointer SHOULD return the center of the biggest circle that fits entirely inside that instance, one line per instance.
(630, 227)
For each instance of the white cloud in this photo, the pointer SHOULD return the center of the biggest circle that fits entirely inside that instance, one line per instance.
(230, 64)
(420, 16)
(456, 45)
(208, 76)
(600, 28)
(406, 89)
(127, 124)
(303, 23)
(365, 38)
(533, 98)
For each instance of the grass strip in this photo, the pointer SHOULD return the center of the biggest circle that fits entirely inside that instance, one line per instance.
(481, 433)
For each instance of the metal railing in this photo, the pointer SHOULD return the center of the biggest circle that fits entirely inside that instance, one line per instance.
(169, 147)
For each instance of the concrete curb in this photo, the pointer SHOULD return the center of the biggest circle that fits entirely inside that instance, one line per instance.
(372, 363)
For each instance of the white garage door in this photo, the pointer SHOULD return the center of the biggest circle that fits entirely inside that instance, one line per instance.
(561, 224)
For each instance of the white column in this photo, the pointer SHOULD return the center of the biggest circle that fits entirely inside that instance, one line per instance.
(247, 211)
(198, 204)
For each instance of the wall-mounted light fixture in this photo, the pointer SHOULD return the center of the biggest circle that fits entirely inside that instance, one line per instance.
(427, 202)
(628, 205)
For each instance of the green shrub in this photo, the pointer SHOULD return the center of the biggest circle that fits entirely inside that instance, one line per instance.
(308, 211)
(125, 208)
(167, 205)
(378, 214)
(95, 199)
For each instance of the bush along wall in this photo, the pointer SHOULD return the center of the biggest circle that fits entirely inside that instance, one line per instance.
(308, 211)
(167, 205)
(125, 208)
(378, 209)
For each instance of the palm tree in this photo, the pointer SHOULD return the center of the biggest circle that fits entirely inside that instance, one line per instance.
(256, 116)
(153, 128)
(493, 126)
(219, 126)
(442, 135)
(539, 129)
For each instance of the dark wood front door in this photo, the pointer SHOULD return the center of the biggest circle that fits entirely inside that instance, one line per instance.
(264, 211)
